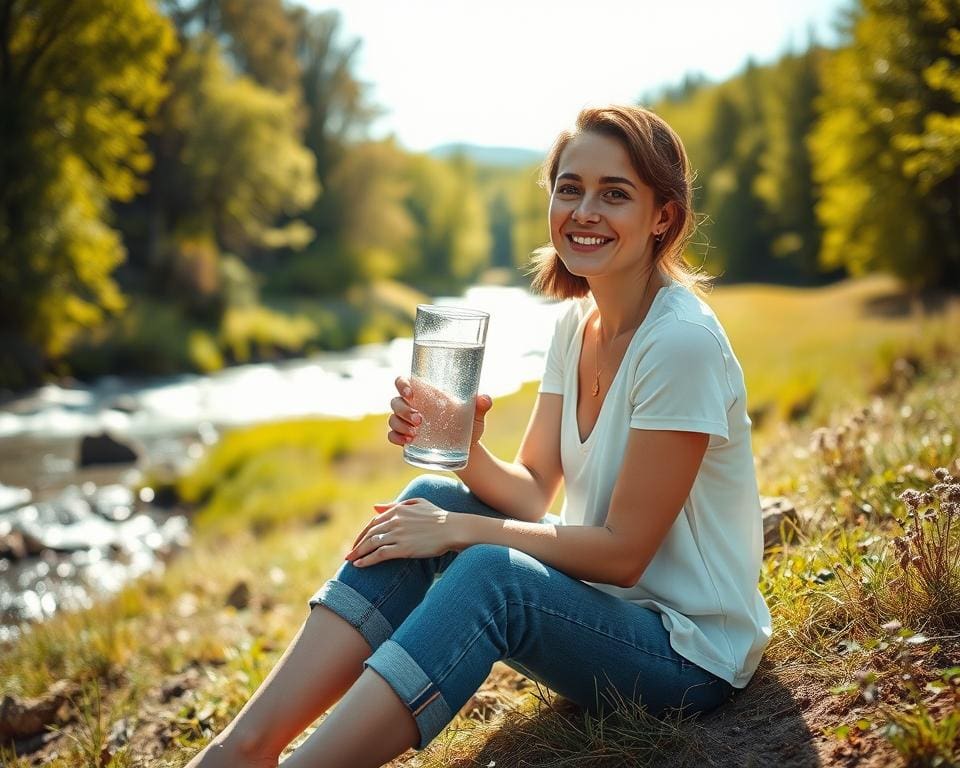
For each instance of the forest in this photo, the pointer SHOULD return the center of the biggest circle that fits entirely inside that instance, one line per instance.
(192, 184)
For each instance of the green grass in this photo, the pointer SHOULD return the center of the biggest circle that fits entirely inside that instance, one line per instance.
(826, 344)
(278, 505)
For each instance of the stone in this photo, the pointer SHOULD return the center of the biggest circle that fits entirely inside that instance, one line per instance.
(16, 545)
(28, 717)
(239, 596)
(775, 510)
(125, 404)
(103, 449)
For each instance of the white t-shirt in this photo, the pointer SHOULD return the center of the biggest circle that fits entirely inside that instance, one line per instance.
(678, 373)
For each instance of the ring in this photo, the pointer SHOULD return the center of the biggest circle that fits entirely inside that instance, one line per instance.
(380, 536)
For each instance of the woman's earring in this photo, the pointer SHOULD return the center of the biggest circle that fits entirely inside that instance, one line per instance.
(658, 238)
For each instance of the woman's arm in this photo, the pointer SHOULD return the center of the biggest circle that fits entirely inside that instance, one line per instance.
(525, 488)
(658, 471)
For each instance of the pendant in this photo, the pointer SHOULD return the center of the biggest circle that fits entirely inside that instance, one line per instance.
(596, 387)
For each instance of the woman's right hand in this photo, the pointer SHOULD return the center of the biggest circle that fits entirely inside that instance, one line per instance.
(406, 419)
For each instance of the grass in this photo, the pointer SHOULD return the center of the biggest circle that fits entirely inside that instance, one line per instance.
(869, 630)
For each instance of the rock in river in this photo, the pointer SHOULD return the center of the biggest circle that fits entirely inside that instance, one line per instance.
(103, 449)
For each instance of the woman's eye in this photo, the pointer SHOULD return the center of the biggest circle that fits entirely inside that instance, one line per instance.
(618, 194)
(566, 189)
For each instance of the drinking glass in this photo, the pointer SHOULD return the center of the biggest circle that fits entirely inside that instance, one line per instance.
(448, 345)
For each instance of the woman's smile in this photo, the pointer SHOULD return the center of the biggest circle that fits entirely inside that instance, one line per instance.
(581, 243)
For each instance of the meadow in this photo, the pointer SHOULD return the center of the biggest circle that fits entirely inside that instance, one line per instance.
(855, 396)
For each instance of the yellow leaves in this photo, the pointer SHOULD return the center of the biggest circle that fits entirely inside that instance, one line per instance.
(942, 75)
(89, 73)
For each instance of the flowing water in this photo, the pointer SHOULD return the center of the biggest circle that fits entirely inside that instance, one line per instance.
(82, 531)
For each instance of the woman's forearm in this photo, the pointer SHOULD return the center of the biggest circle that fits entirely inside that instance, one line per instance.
(590, 553)
(508, 487)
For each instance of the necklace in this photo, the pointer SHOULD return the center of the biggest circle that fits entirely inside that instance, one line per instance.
(596, 381)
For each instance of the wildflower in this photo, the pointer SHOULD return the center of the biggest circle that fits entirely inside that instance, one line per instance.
(910, 498)
(943, 474)
(891, 627)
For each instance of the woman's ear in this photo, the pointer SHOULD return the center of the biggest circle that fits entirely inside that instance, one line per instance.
(667, 214)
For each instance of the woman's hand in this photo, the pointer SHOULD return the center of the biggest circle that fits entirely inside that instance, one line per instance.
(406, 418)
(411, 528)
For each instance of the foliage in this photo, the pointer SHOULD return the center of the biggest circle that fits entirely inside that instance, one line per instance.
(784, 180)
(78, 81)
(238, 161)
(257, 333)
(886, 148)
(260, 38)
(452, 242)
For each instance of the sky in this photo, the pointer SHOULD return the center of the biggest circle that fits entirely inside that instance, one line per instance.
(515, 73)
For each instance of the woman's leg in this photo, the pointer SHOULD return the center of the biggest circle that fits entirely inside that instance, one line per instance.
(497, 603)
(358, 610)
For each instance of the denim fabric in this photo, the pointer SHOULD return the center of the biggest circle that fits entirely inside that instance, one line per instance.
(434, 640)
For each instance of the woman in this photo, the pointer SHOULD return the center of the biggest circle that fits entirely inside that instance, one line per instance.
(646, 591)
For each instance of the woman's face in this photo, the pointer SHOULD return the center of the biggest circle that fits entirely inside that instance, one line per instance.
(602, 217)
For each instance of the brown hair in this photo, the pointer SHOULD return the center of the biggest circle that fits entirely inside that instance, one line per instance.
(660, 160)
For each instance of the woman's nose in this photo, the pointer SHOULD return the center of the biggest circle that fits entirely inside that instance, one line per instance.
(584, 213)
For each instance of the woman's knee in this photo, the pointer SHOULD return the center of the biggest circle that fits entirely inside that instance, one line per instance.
(499, 565)
(437, 489)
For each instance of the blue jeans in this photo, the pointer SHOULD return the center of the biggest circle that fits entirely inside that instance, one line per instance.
(435, 644)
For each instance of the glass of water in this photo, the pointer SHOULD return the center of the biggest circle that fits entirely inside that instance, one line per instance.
(448, 345)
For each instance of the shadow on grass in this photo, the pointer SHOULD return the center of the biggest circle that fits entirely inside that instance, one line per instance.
(904, 303)
(761, 726)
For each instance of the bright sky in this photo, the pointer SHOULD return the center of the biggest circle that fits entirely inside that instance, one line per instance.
(516, 72)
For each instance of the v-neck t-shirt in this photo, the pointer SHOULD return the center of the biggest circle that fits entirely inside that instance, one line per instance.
(678, 373)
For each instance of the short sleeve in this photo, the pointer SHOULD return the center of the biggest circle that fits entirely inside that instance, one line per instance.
(680, 383)
(552, 380)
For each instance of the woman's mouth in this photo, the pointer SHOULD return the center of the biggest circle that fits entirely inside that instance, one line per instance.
(588, 243)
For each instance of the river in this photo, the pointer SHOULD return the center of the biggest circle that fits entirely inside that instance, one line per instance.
(82, 531)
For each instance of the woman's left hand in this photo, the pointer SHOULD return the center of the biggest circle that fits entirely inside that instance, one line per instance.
(411, 528)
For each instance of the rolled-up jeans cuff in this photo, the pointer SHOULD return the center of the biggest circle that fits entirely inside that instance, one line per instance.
(415, 689)
(354, 608)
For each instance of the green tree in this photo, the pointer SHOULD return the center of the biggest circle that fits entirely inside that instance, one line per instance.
(501, 230)
(231, 174)
(785, 179)
(452, 242)
(78, 80)
(529, 206)
(737, 216)
(886, 147)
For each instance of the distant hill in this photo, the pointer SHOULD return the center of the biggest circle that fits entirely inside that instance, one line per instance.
(499, 156)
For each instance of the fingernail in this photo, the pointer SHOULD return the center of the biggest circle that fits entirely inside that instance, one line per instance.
(407, 392)
(416, 418)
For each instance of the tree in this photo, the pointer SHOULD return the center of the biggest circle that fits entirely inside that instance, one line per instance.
(78, 81)
(259, 38)
(886, 146)
(231, 175)
(452, 242)
(738, 218)
(241, 163)
(785, 179)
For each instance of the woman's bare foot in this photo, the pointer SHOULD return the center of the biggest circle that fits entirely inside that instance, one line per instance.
(221, 753)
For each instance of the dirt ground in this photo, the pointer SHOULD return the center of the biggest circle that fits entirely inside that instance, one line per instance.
(784, 718)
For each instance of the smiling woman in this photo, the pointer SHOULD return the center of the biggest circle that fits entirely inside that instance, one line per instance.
(646, 588)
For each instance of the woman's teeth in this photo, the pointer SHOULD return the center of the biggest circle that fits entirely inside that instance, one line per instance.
(589, 240)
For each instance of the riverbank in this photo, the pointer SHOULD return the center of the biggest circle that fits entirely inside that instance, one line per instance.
(175, 656)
